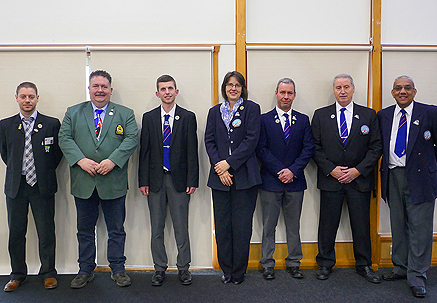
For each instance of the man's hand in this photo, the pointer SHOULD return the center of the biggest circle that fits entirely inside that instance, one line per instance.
(88, 165)
(221, 167)
(226, 178)
(144, 190)
(105, 167)
(349, 175)
(190, 190)
(338, 171)
(285, 175)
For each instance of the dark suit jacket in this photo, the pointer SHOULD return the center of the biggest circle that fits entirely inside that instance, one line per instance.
(362, 150)
(184, 161)
(421, 165)
(241, 141)
(276, 154)
(45, 148)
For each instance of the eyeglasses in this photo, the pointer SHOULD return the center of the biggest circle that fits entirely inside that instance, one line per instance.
(237, 86)
(408, 88)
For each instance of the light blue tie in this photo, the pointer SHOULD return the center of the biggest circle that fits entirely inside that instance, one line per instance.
(343, 126)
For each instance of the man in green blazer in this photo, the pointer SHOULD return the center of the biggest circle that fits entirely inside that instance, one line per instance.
(97, 139)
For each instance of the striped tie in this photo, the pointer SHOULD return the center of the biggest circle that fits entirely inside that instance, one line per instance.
(98, 123)
(343, 126)
(166, 142)
(29, 161)
(401, 137)
(286, 127)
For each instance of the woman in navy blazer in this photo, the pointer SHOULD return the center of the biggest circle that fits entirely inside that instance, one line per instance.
(231, 136)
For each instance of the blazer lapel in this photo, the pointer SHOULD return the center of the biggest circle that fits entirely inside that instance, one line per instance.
(89, 118)
(414, 130)
(355, 124)
(333, 122)
(175, 123)
(158, 126)
(387, 124)
(278, 127)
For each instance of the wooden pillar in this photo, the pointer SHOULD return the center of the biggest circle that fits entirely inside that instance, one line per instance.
(240, 39)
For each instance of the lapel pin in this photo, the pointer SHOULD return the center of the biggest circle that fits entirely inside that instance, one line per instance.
(111, 112)
(332, 116)
(293, 122)
(35, 130)
(416, 122)
(177, 118)
(241, 107)
(40, 125)
(427, 135)
(294, 118)
(357, 116)
(365, 129)
(236, 123)
(237, 114)
(277, 120)
(19, 126)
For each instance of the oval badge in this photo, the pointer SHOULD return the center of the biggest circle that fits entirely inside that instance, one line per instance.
(427, 135)
(365, 129)
(236, 123)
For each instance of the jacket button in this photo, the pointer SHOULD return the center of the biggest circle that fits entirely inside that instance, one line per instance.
(232, 142)
(419, 154)
(418, 170)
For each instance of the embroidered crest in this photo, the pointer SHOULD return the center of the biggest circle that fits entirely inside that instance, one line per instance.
(119, 130)
(365, 129)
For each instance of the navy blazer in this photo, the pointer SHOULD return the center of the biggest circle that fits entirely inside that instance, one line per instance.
(237, 147)
(184, 160)
(421, 164)
(276, 154)
(362, 150)
(46, 152)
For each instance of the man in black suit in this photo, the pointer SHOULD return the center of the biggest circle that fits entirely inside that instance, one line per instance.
(347, 147)
(409, 182)
(168, 174)
(29, 148)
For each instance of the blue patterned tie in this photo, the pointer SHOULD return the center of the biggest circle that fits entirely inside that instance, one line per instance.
(401, 138)
(166, 142)
(98, 123)
(343, 126)
(286, 127)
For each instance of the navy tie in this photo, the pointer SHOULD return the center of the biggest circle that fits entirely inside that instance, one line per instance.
(343, 126)
(286, 127)
(401, 138)
(166, 142)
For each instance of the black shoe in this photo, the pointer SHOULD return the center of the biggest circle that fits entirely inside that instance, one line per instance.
(323, 273)
(225, 280)
(185, 277)
(393, 277)
(269, 273)
(294, 272)
(81, 281)
(368, 273)
(238, 281)
(121, 279)
(158, 278)
(418, 291)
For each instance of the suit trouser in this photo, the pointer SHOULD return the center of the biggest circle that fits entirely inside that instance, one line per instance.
(331, 203)
(178, 203)
(43, 210)
(412, 230)
(233, 214)
(291, 204)
(114, 212)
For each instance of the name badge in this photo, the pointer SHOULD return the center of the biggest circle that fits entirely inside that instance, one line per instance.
(48, 141)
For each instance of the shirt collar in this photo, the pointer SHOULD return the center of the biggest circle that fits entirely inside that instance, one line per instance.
(171, 112)
(35, 113)
(281, 112)
(103, 108)
(349, 107)
(408, 109)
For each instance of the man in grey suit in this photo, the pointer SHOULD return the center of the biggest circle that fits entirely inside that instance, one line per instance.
(97, 138)
(347, 148)
(409, 182)
(168, 174)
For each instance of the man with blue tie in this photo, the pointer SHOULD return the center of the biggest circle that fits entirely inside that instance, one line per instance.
(347, 148)
(285, 147)
(169, 174)
(97, 138)
(409, 182)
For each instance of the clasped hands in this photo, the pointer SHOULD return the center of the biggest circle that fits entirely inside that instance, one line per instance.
(344, 174)
(221, 168)
(94, 168)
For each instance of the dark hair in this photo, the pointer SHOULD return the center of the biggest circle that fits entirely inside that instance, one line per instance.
(240, 79)
(101, 73)
(27, 85)
(165, 78)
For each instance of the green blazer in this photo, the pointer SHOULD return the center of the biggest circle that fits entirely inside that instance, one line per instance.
(118, 140)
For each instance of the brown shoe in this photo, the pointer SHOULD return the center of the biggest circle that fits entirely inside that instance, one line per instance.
(13, 285)
(50, 283)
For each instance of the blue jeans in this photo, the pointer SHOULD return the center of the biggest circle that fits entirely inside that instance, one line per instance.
(87, 214)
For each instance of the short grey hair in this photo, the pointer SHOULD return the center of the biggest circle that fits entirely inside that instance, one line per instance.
(404, 77)
(343, 76)
(286, 80)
